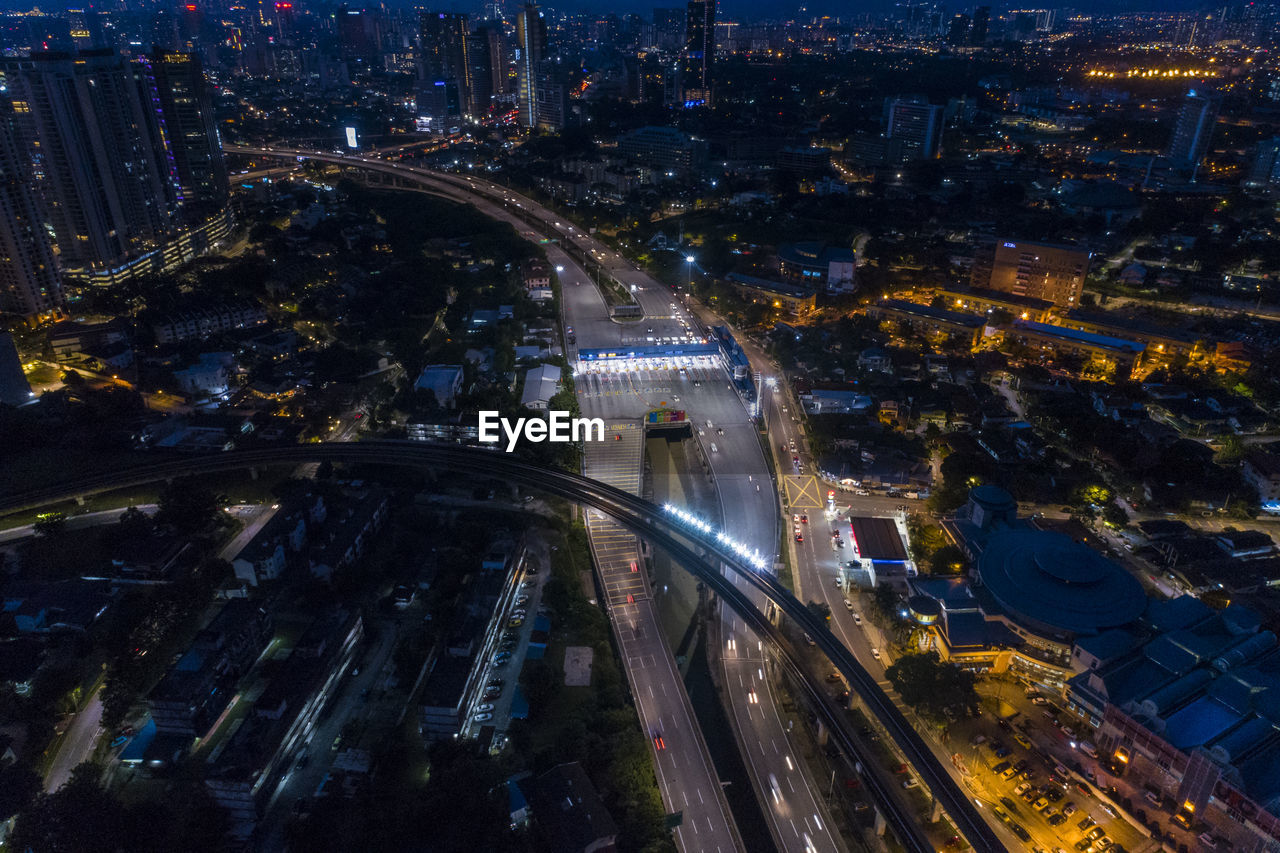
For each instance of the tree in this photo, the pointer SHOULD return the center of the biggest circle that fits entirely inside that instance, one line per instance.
(19, 785)
(49, 524)
(188, 506)
(947, 560)
(821, 610)
(934, 689)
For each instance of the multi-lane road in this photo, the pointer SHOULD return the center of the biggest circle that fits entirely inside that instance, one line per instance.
(735, 471)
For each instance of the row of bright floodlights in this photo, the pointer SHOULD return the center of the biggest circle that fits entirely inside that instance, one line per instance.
(751, 555)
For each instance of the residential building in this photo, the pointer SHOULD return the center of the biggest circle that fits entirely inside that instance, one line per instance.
(1039, 270)
(345, 535)
(1261, 469)
(796, 300)
(266, 555)
(664, 147)
(1193, 131)
(699, 53)
(554, 110)
(1119, 355)
(986, 302)
(30, 284)
(205, 321)
(531, 50)
(209, 376)
(190, 130)
(442, 380)
(918, 124)
(445, 88)
(929, 320)
(1264, 171)
(244, 775)
(568, 809)
(96, 140)
(541, 383)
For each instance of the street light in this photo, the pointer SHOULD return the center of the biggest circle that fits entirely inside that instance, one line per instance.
(688, 259)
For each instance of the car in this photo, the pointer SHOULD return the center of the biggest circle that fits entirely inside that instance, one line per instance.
(1103, 843)
(804, 519)
(1083, 844)
(1039, 700)
(492, 692)
(799, 537)
(1085, 822)
(514, 623)
(524, 599)
(303, 761)
(520, 613)
(1010, 773)
(1039, 803)
(809, 640)
(485, 708)
(1009, 804)
(714, 449)
(848, 605)
(1001, 767)
(911, 783)
(1069, 809)
(857, 618)
(1096, 833)
(1057, 819)
(1053, 793)
(875, 653)
(1019, 830)
(1208, 841)
(483, 718)
(1022, 788)
(658, 743)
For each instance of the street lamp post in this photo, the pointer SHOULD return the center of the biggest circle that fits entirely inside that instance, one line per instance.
(688, 260)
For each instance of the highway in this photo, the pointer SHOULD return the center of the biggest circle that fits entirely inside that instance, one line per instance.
(798, 824)
(698, 552)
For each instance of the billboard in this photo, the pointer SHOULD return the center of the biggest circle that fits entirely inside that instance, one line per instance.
(665, 416)
(351, 138)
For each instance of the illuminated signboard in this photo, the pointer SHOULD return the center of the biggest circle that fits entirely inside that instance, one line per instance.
(351, 138)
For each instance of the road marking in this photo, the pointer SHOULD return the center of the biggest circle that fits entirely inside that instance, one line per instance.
(802, 492)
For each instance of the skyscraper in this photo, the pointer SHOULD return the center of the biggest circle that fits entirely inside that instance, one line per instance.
(93, 133)
(918, 124)
(531, 49)
(444, 52)
(1264, 171)
(699, 52)
(29, 282)
(1193, 131)
(190, 129)
(981, 21)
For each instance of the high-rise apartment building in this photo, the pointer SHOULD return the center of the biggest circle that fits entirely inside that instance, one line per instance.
(1193, 131)
(94, 135)
(190, 130)
(29, 282)
(445, 64)
(699, 52)
(531, 49)
(918, 124)
(981, 24)
(668, 28)
(1039, 270)
(1264, 171)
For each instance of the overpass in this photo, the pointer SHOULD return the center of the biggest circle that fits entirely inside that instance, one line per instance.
(699, 553)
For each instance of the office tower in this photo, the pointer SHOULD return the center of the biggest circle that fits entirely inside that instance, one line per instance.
(190, 129)
(958, 32)
(480, 70)
(668, 29)
(1193, 131)
(359, 34)
(1264, 171)
(553, 95)
(981, 21)
(699, 52)
(917, 124)
(531, 49)
(29, 282)
(90, 123)
(86, 29)
(444, 48)
(1042, 271)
